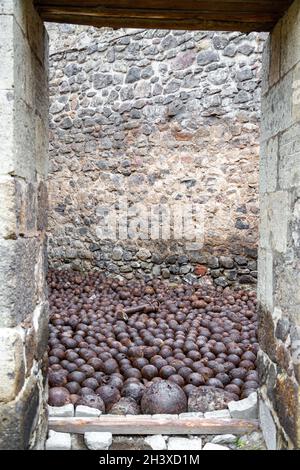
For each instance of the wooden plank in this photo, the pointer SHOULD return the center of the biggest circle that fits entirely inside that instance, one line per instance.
(197, 5)
(170, 15)
(228, 15)
(149, 23)
(138, 425)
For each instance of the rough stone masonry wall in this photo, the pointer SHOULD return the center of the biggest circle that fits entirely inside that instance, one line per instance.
(279, 256)
(160, 117)
(23, 196)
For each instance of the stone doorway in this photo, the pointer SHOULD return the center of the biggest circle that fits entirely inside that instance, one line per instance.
(23, 222)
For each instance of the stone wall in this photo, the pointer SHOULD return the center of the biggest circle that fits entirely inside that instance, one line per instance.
(279, 255)
(23, 194)
(162, 118)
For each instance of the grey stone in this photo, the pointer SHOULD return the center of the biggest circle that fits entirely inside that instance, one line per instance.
(245, 48)
(226, 262)
(218, 414)
(143, 254)
(191, 414)
(102, 80)
(212, 262)
(268, 426)
(133, 75)
(117, 253)
(206, 57)
(65, 411)
(224, 439)
(244, 74)
(206, 399)
(221, 281)
(244, 409)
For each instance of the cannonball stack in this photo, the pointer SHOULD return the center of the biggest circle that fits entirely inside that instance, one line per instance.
(198, 336)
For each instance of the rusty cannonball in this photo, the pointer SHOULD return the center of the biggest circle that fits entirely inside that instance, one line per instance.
(163, 397)
(59, 396)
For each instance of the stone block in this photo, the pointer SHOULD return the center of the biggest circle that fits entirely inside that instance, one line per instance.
(224, 439)
(244, 409)
(276, 108)
(218, 414)
(16, 8)
(98, 440)
(7, 52)
(211, 446)
(191, 414)
(274, 221)
(290, 38)
(11, 364)
(6, 132)
(182, 443)
(289, 158)
(268, 426)
(19, 418)
(8, 215)
(58, 441)
(268, 165)
(18, 291)
(87, 411)
(156, 442)
(66, 411)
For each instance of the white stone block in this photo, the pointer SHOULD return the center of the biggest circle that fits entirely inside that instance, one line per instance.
(156, 442)
(98, 440)
(66, 411)
(164, 416)
(87, 411)
(211, 446)
(191, 414)
(182, 443)
(224, 439)
(244, 409)
(58, 441)
(218, 414)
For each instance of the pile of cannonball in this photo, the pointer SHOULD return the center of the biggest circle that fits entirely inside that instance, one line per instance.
(199, 336)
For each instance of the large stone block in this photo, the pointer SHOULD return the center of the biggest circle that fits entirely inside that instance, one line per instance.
(274, 221)
(268, 165)
(290, 38)
(21, 265)
(19, 418)
(6, 52)
(6, 132)
(289, 158)
(276, 108)
(11, 364)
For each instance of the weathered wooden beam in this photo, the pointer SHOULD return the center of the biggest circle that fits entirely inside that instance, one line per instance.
(148, 425)
(149, 23)
(230, 15)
